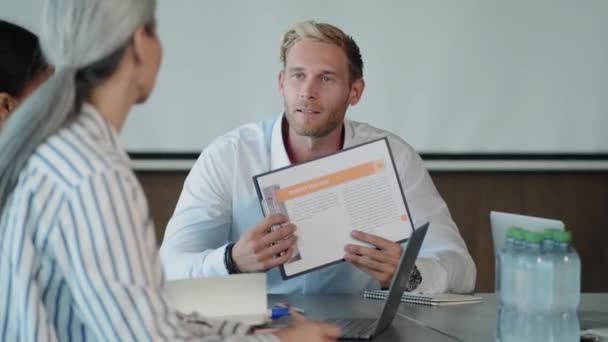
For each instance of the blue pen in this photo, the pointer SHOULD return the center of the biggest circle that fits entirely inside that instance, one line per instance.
(284, 304)
(277, 313)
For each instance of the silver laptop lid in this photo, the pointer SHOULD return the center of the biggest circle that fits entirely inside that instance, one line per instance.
(501, 222)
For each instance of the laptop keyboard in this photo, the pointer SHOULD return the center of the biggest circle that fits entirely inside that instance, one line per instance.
(354, 328)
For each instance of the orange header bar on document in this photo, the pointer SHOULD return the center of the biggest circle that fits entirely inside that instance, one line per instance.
(330, 180)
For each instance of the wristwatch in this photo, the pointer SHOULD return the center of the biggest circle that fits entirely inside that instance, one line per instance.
(414, 281)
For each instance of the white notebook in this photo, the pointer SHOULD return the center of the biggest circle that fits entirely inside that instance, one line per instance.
(417, 298)
(240, 297)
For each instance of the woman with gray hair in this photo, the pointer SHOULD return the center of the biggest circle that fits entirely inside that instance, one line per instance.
(78, 256)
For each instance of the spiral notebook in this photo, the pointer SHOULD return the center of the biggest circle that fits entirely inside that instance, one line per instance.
(416, 298)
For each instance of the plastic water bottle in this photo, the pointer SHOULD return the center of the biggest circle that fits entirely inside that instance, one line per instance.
(506, 282)
(549, 244)
(567, 286)
(521, 319)
(548, 272)
(508, 273)
(533, 307)
(500, 256)
(500, 279)
(539, 287)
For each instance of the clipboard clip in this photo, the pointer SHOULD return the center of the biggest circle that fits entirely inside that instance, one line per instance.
(269, 207)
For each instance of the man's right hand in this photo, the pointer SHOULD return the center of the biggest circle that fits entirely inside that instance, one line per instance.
(301, 329)
(260, 249)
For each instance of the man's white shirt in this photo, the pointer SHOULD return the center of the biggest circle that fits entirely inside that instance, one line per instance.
(219, 203)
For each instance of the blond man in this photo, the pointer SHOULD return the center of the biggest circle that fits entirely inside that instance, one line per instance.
(218, 228)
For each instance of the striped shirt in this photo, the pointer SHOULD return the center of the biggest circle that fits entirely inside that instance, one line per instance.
(78, 256)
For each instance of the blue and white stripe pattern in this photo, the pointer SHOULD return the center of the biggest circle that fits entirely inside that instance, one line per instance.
(78, 256)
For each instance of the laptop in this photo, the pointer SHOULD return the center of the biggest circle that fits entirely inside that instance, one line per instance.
(368, 328)
(501, 222)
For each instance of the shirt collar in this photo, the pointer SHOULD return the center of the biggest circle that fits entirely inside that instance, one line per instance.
(278, 154)
(101, 130)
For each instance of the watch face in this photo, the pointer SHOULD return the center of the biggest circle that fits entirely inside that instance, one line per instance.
(415, 280)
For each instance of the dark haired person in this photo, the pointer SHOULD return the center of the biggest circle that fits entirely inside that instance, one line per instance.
(22, 67)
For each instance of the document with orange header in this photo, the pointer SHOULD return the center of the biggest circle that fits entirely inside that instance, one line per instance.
(354, 189)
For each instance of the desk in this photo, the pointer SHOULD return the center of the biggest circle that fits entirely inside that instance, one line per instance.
(468, 322)
(477, 322)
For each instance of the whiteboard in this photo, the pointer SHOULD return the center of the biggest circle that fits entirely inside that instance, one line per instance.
(454, 77)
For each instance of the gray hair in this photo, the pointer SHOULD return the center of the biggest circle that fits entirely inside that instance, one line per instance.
(84, 40)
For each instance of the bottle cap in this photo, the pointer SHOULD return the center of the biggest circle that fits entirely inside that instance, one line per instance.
(563, 236)
(549, 233)
(534, 237)
(519, 234)
(515, 233)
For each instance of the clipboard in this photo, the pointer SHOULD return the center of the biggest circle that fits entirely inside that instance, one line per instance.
(326, 198)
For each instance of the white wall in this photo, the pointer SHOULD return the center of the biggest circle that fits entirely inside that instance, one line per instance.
(448, 76)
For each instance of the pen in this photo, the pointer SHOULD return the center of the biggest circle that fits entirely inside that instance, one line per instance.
(277, 313)
(284, 304)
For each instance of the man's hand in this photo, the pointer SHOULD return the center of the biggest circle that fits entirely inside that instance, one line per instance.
(380, 262)
(260, 249)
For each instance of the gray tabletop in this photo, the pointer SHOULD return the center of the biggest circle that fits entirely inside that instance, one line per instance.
(467, 322)
(477, 322)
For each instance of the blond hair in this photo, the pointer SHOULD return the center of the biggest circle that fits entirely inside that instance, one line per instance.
(326, 33)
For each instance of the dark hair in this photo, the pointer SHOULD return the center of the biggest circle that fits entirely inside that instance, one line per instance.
(21, 59)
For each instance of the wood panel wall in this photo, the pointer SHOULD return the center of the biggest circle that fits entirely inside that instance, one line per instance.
(580, 199)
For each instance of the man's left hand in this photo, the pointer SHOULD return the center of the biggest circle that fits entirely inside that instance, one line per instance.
(380, 262)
